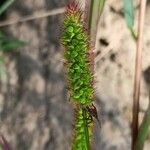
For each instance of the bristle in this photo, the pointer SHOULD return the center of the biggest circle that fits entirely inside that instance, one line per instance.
(73, 8)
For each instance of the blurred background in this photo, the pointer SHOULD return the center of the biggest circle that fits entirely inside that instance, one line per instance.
(34, 110)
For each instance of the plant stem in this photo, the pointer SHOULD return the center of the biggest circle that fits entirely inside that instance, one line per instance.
(35, 16)
(86, 131)
(137, 78)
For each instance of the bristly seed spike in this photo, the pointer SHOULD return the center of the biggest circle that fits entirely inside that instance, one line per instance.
(78, 55)
(79, 65)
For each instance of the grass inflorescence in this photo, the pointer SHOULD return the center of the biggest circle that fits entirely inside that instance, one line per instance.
(77, 55)
(79, 68)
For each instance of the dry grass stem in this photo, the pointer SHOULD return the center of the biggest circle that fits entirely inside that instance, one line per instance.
(137, 78)
(32, 17)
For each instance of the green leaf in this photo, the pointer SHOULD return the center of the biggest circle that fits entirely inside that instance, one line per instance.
(94, 12)
(129, 13)
(7, 45)
(6, 5)
(133, 34)
(101, 6)
(10, 45)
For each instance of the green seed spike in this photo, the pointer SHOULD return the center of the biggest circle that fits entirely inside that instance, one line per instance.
(78, 57)
(79, 67)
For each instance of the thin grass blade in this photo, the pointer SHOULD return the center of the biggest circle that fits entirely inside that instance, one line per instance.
(129, 16)
(144, 129)
(11, 45)
(94, 9)
(129, 13)
(8, 45)
(6, 5)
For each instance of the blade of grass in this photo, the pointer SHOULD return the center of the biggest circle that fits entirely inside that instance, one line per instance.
(144, 129)
(129, 16)
(101, 6)
(129, 13)
(8, 45)
(137, 78)
(6, 5)
(94, 9)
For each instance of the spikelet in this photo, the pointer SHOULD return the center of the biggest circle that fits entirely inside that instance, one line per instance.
(78, 57)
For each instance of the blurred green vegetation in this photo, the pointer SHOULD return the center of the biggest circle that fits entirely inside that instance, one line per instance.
(6, 44)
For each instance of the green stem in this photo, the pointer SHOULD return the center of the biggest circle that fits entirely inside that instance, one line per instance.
(84, 113)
